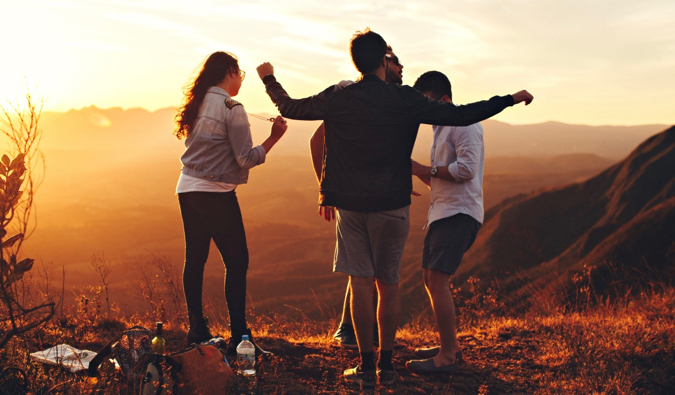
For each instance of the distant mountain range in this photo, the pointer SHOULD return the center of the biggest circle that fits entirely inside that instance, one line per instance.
(556, 138)
(617, 227)
(115, 127)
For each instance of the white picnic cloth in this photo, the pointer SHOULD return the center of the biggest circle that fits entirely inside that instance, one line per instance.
(66, 355)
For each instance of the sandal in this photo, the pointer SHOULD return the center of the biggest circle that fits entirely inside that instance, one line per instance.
(431, 352)
(427, 366)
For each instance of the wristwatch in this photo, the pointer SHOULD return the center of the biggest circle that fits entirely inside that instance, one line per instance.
(434, 171)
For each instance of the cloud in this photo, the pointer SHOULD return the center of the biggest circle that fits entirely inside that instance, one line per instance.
(605, 47)
(145, 20)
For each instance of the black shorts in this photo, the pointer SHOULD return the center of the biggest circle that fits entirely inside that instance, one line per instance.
(446, 242)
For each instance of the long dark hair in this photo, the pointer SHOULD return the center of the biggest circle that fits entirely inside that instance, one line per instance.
(215, 68)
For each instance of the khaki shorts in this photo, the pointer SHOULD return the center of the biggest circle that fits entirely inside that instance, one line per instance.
(371, 244)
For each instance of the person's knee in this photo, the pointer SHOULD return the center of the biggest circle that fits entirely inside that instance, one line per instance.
(196, 259)
(437, 281)
(237, 268)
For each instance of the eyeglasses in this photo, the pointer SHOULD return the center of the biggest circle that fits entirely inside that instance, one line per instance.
(393, 59)
(242, 73)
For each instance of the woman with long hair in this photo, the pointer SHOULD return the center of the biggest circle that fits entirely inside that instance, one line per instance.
(218, 155)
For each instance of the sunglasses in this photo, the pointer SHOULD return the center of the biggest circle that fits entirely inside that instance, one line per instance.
(393, 59)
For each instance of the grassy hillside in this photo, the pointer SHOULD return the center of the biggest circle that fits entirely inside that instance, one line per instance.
(109, 247)
(627, 347)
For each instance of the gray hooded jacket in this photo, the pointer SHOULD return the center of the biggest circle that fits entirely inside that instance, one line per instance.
(220, 147)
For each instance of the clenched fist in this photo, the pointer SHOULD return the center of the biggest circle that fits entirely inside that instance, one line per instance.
(265, 69)
(522, 96)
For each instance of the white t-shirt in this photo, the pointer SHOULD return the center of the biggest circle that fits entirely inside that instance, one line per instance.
(194, 184)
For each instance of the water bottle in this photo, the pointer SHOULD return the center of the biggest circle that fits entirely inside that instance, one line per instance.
(246, 358)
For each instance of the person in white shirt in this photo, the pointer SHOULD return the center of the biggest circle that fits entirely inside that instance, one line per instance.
(455, 177)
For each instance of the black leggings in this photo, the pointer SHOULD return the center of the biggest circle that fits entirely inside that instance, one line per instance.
(215, 215)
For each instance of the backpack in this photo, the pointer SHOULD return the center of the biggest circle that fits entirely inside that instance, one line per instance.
(130, 351)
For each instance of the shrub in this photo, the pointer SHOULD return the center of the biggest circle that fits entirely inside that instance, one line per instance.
(19, 312)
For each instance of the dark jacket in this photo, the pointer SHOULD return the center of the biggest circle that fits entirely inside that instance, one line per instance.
(371, 127)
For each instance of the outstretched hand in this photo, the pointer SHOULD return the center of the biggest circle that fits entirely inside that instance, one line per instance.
(265, 69)
(327, 212)
(522, 96)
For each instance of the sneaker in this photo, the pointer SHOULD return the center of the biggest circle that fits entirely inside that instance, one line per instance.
(198, 331)
(198, 335)
(346, 336)
(387, 377)
(357, 376)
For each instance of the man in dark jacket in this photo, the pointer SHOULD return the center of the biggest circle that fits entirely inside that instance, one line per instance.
(345, 334)
(370, 130)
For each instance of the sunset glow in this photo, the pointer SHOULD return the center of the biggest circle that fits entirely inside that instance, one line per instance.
(604, 62)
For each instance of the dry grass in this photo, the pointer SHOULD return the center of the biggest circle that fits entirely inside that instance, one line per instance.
(626, 348)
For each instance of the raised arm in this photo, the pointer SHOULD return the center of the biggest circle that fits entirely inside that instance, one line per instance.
(433, 112)
(317, 147)
(278, 129)
(309, 108)
(246, 155)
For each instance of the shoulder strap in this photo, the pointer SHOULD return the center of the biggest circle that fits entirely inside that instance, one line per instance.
(92, 371)
(172, 364)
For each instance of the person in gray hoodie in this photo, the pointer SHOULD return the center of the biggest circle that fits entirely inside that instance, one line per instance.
(218, 155)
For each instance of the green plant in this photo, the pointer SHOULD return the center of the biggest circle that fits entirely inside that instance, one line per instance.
(19, 313)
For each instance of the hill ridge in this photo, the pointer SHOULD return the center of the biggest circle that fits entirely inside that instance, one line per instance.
(560, 227)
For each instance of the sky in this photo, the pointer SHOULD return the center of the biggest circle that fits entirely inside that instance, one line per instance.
(594, 62)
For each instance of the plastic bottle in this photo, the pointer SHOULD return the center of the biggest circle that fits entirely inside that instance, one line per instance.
(246, 358)
(158, 343)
